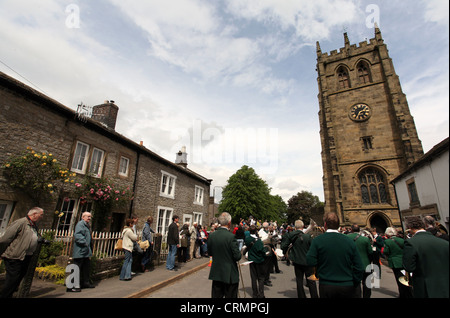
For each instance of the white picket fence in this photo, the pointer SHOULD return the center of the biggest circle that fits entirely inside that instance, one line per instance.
(103, 243)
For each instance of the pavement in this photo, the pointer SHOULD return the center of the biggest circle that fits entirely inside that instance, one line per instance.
(141, 285)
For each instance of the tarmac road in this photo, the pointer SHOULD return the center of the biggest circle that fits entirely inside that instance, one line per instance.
(198, 285)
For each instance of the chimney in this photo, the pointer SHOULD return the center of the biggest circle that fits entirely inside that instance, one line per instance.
(181, 159)
(106, 113)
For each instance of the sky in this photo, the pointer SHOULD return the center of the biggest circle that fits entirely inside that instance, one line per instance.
(232, 80)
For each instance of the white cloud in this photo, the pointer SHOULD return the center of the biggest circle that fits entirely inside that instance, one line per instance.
(437, 11)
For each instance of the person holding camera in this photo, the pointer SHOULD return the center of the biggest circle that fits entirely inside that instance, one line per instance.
(17, 246)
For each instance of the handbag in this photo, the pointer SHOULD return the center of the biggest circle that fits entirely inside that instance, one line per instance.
(144, 244)
(300, 235)
(118, 246)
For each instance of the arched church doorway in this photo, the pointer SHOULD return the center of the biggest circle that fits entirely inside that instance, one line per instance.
(378, 222)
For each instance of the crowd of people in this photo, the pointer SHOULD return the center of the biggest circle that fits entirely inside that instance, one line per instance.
(344, 260)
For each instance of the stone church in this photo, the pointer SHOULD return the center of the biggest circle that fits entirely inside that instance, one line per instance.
(368, 135)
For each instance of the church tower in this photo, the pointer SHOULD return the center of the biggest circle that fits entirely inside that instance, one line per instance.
(367, 133)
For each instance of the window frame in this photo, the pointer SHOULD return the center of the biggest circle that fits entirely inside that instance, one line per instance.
(164, 219)
(413, 195)
(126, 173)
(100, 164)
(199, 193)
(167, 189)
(77, 160)
(343, 81)
(373, 190)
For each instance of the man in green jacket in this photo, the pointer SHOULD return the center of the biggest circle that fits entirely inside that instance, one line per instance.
(338, 263)
(223, 247)
(364, 247)
(297, 255)
(426, 257)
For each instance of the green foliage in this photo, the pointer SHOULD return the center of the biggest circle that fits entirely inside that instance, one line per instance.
(49, 252)
(301, 205)
(38, 174)
(246, 194)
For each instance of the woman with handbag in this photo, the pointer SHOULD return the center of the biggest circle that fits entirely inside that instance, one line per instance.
(147, 236)
(128, 240)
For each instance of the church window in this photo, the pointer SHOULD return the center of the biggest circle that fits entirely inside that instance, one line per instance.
(373, 187)
(363, 73)
(367, 143)
(343, 78)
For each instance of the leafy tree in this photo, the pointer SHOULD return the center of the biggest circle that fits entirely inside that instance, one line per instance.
(301, 205)
(246, 194)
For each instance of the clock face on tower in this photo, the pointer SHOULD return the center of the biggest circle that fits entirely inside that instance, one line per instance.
(360, 112)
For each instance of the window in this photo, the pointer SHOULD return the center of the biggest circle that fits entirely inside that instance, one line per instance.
(123, 166)
(167, 185)
(412, 191)
(367, 143)
(68, 208)
(198, 195)
(373, 187)
(96, 162)
(198, 217)
(164, 219)
(72, 212)
(80, 157)
(363, 73)
(5, 213)
(343, 78)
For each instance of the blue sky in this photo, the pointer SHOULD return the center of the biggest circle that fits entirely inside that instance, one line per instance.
(232, 80)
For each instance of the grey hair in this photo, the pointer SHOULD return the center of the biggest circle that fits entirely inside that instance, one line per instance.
(224, 219)
(299, 224)
(35, 210)
(390, 231)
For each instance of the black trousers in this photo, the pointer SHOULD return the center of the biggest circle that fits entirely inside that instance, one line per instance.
(84, 264)
(404, 291)
(335, 291)
(15, 272)
(305, 271)
(223, 290)
(258, 275)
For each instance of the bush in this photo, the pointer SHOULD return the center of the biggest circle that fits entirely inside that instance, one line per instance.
(49, 252)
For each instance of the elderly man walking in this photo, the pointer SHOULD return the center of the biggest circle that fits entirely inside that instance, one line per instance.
(224, 249)
(17, 246)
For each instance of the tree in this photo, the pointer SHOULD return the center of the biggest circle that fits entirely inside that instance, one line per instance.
(301, 205)
(246, 194)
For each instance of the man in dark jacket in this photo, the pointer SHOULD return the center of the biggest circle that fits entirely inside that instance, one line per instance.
(426, 257)
(338, 263)
(297, 255)
(173, 240)
(223, 247)
(257, 255)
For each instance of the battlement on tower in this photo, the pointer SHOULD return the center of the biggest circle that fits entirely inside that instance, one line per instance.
(351, 49)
